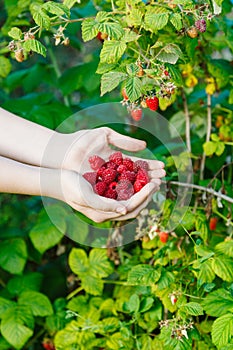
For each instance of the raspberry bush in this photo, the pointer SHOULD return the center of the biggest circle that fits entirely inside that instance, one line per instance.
(169, 289)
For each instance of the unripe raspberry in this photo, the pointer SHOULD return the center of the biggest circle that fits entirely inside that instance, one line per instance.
(19, 55)
(201, 25)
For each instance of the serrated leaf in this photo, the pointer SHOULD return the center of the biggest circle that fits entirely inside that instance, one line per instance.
(103, 16)
(176, 20)
(129, 35)
(16, 326)
(205, 273)
(192, 308)
(218, 303)
(78, 261)
(5, 66)
(70, 3)
(39, 15)
(38, 303)
(112, 51)
(209, 148)
(30, 281)
(169, 53)
(99, 264)
(15, 33)
(223, 267)
(133, 87)
(114, 30)
(143, 275)
(105, 68)
(111, 80)
(13, 255)
(56, 8)
(165, 280)
(133, 304)
(5, 304)
(155, 21)
(35, 46)
(90, 29)
(134, 17)
(92, 285)
(146, 304)
(225, 247)
(222, 330)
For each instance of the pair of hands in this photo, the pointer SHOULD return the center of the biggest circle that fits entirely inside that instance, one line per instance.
(76, 149)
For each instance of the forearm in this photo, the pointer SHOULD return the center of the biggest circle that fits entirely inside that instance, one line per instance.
(26, 141)
(19, 178)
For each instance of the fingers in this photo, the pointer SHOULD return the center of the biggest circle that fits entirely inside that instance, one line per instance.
(137, 199)
(124, 142)
(100, 203)
(157, 173)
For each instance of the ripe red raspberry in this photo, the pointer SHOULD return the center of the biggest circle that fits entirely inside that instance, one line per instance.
(128, 163)
(96, 162)
(152, 103)
(112, 194)
(90, 177)
(163, 236)
(116, 158)
(110, 165)
(100, 172)
(112, 185)
(100, 188)
(142, 176)
(124, 190)
(201, 25)
(213, 223)
(109, 175)
(136, 114)
(122, 168)
(128, 175)
(138, 186)
(48, 345)
(140, 164)
(166, 73)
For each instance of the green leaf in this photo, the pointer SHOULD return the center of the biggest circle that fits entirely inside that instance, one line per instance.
(99, 263)
(35, 46)
(201, 226)
(169, 53)
(112, 51)
(38, 303)
(45, 236)
(92, 285)
(111, 80)
(114, 30)
(13, 255)
(39, 15)
(89, 29)
(146, 304)
(129, 35)
(56, 8)
(220, 148)
(192, 308)
(133, 87)
(218, 303)
(5, 304)
(209, 148)
(134, 17)
(30, 281)
(143, 275)
(5, 66)
(78, 261)
(225, 247)
(15, 33)
(205, 273)
(176, 20)
(16, 326)
(222, 330)
(133, 304)
(105, 67)
(70, 3)
(4, 345)
(156, 21)
(223, 267)
(165, 280)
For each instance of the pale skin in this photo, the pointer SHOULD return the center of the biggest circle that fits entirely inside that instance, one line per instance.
(35, 160)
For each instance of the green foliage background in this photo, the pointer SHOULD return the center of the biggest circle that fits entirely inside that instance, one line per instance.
(56, 291)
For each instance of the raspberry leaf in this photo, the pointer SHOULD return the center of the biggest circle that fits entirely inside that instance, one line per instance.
(133, 88)
(112, 51)
(111, 80)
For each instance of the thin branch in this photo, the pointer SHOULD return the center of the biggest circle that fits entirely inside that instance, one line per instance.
(187, 121)
(204, 189)
(208, 132)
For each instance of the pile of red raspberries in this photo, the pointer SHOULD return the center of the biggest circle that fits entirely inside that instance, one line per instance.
(118, 178)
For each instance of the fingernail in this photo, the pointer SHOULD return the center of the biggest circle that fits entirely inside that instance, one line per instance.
(121, 210)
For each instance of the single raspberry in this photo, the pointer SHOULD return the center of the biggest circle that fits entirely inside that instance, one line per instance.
(100, 172)
(152, 103)
(90, 177)
(129, 164)
(116, 158)
(124, 190)
(100, 188)
(201, 25)
(192, 32)
(112, 185)
(121, 169)
(143, 176)
(136, 114)
(140, 164)
(163, 236)
(109, 175)
(96, 162)
(166, 73)
(138, 186)
(110, 193)
(111, 165)
(128, 175)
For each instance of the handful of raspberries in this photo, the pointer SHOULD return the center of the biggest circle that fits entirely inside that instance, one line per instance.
(118, 178)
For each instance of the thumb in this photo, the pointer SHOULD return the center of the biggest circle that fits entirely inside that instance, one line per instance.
(124, 142)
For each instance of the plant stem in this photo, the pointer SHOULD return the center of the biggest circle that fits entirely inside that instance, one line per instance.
(204, 189)
(187, 121)
(208, 132)
(72, 294)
